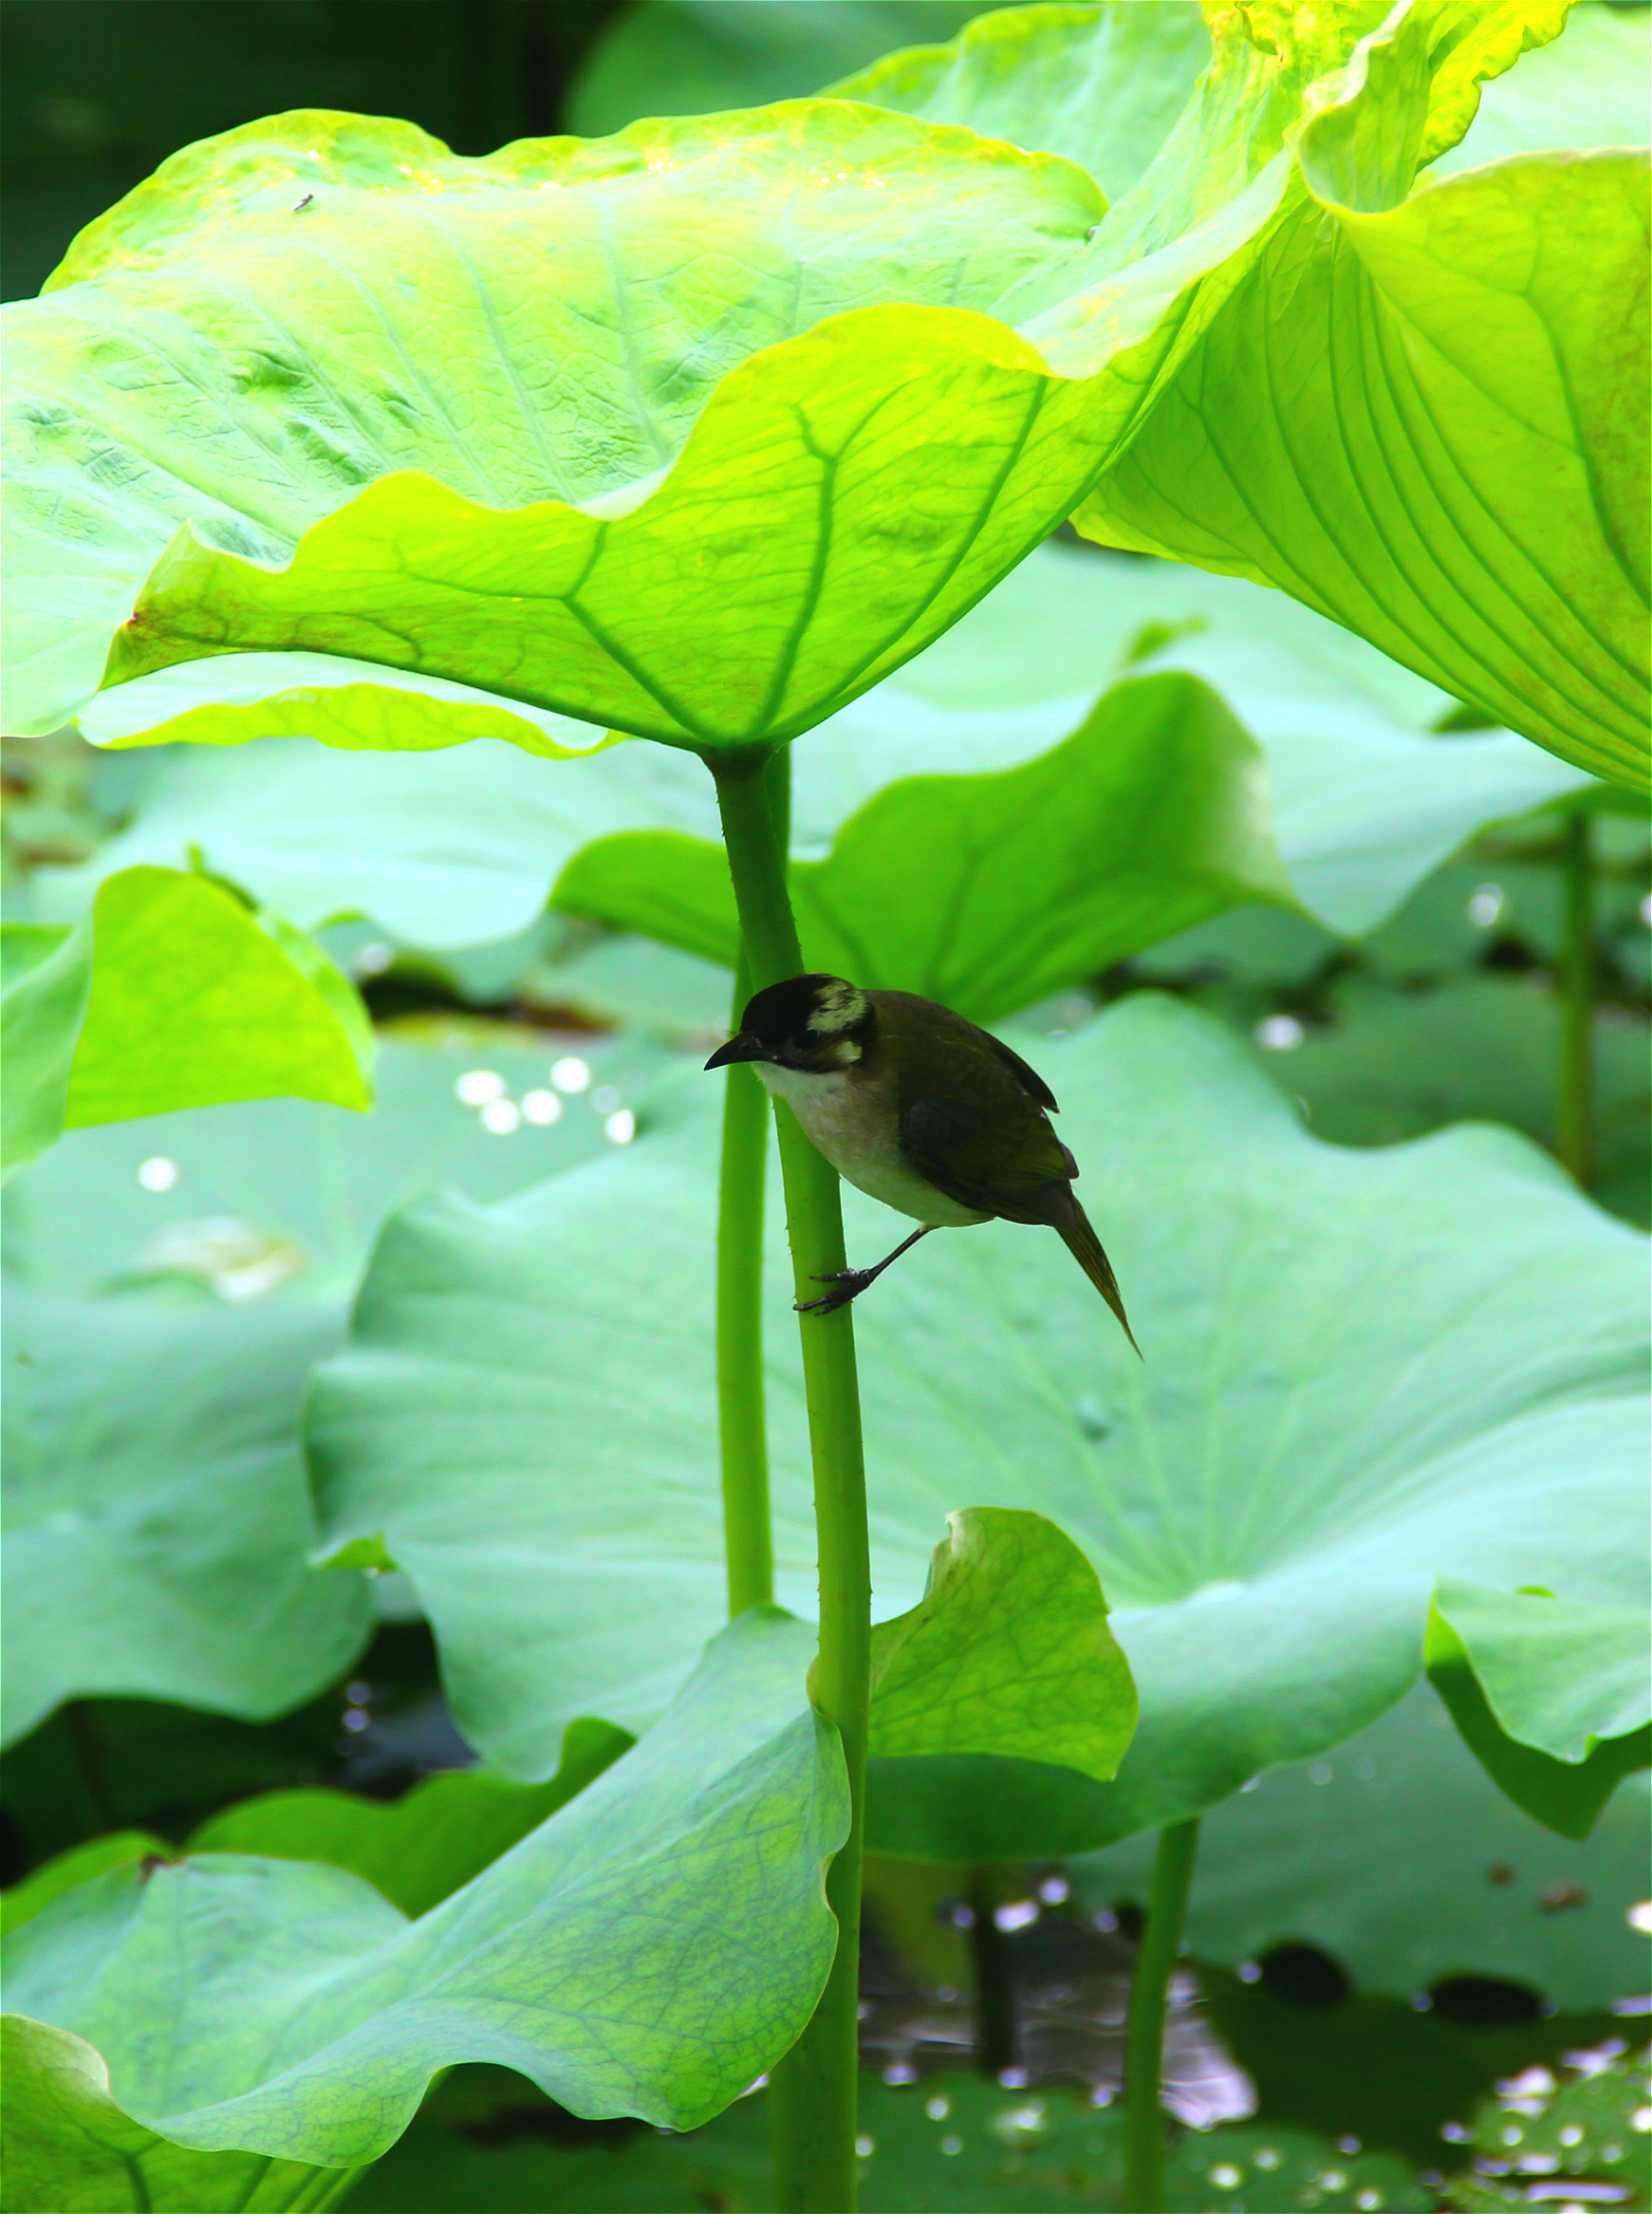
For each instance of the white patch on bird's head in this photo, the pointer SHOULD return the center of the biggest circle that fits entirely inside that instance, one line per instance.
(838, 1007)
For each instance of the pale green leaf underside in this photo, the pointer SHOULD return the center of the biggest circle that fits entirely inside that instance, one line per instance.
(989, 892)
(1586, 88)
(1267, 1509)
(1558, 1674)
(1007, 1652)
(812, 379)
(1101, 85)
(173, 995)
(157, 1524)
(465, 847)
(556, 1961)
(70, 2149)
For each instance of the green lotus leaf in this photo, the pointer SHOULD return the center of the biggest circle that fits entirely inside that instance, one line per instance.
(608, 1957)
(1325, 1853)
(1421, 415)
(1009, 1649)
(418, 1849)
(313, 367)
(1557, 1675)
(992, 891)
(1549, 1695)
(72, 2149)
(1103, 85)
(158, 1527)
(526, 1414)
(760, 443)
(172, 995)
(1429, 427)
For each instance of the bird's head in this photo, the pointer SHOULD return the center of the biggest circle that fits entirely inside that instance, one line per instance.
(818, 1024)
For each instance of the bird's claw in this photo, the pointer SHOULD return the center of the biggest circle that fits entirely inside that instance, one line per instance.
(846, 1283)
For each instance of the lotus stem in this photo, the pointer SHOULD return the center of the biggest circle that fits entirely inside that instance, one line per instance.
(1575, 1116)
(812, 2091)
(1144, 2033)
(995, 1989)
(742, 1428)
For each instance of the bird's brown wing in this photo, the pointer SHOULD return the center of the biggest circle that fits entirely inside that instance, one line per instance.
(984, 1145)
(1031, 1083)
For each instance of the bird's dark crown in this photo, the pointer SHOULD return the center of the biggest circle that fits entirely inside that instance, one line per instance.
(809, 1022)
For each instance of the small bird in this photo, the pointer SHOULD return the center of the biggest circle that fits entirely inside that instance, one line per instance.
(921, 1109)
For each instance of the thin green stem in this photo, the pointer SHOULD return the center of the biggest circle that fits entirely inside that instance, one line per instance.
(748, 1542)
(812, 2091)
(995, 1989)
(1575, 1117)
(1144, 2033)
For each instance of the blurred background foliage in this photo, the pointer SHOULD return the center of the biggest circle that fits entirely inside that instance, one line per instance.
(1326, 2093)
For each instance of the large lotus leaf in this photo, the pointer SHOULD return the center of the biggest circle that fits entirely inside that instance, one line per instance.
(1421, 416)
(1353, 1382)
(1425, 421)
(70, 2149)
(1101, 85)
(1549, 1695)
(454, 848)
(759, 443)
(608, 1956)
(992, 891)
(312, 365)
(418, 1849)
(689, 57)
(284, 1197)
(1008, 1651)
(172, 995)
(158, 1525)
(1397, 1855)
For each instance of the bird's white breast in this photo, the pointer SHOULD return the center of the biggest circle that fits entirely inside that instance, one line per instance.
(853, 1123)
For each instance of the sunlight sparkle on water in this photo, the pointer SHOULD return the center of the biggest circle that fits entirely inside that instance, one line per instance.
(570, 1073)
(501, 1116)
(476, 1086)
(1280, 1033)
(620, 1128)
(541, 1106)
(158, 1174)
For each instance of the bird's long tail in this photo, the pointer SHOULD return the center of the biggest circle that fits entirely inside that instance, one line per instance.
(1085, 1248)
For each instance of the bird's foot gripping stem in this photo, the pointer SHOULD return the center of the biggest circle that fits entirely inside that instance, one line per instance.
(846, 1284)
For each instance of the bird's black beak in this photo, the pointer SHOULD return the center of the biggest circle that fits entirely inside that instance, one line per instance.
(741, 1047)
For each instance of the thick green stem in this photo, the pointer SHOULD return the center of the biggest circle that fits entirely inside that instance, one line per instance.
(1575, 1120)
(748, 1545)
(812, 2091)
(1144, 2033)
